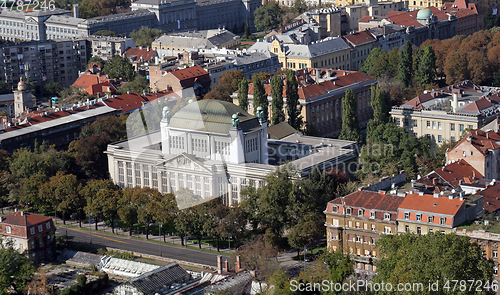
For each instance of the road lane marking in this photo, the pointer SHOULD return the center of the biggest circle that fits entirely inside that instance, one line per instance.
(99, 236)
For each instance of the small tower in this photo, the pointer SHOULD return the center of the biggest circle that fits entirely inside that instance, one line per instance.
(22, 98)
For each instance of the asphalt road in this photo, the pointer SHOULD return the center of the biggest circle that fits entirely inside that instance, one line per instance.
(128, 244)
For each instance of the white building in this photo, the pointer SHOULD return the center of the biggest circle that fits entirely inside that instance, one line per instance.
(215, 149)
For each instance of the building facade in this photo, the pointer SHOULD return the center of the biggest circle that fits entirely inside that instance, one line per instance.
(106, 47)
(362, 44)
(30, 233)
(355, 222)
(214, 149)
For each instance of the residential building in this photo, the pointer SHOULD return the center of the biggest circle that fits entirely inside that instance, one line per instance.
(106, 47)
(88, 79)
(355, 222)
(256, 62)
(215, 149)
(173, 44)
(469, 17)
(333, 53)
(297, 32)
(362, 44)
(389, 36)
(491, 198)
(481, 149)
(191, 81)
(320, 96)
(44, 61)
(140, 55)
(30, 233)
(329, 20)
(443, 114)
(216, 70)
(423, 213)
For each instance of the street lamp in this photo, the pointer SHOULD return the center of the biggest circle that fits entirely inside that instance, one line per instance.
(159, 237)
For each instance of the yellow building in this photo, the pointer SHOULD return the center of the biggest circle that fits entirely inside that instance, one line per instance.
(329, 53)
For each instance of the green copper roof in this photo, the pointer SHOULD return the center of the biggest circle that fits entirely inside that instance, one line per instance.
(424, 14)
(212, 115)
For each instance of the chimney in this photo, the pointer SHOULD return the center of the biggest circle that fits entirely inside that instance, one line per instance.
(450, 197)
(226, 266)
(434, 181)
(454, 103)
(219, 264)
(1, 218)
(75, 11)
(237, 267)
(22, 213)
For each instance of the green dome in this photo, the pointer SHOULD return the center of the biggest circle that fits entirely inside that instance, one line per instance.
(424, 14)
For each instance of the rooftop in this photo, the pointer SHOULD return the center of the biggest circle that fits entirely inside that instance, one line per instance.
(481, 140)
(457, 172)
(491, 200)
(431, 204)
(120, 16)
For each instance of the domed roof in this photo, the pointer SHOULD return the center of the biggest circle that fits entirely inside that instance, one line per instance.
(424, 14)
(212, 115)
(21, 85)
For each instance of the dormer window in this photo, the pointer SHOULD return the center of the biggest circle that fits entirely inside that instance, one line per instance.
(40, 228)
(348, 211)
(360, 213)
(335, 209)
(32, 230)
(407, 215)
(372, 214)
(419, 217)
(387, 216)
(8, 229)
(47, 225)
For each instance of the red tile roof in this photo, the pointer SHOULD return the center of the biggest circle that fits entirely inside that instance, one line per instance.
(431, 204)
(188, 76)
(406, 19)
(371, 201)
(477, 106)
(365, 19)
(168, 94)
(481, 140)
(89, 79)
(100, 88)
(359, 38)
(144, 54)
(460, 170)
(27, 220)
(491, 196)
(126, 102)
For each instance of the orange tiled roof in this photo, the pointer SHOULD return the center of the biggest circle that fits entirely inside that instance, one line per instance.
(359, 38)
(26, 219)
(144, 53)
(460, 170)
(481, 140)
(103, 87)
(89, 79)
(429, 203)
(126, 102)
(188, 76)
(491, 196)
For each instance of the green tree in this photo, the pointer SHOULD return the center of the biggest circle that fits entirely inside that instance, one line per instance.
(51, 89)
(426, 70)
(444, 257)
(260, 257)
(268, 17)
(309, 228)
(105, 33)
(89, 9)
(299, 6)
(119, 67)
(243, 94)
(228, 84)
(128, 208)
(99, 196)
(139, 85)
(63, 192)
(380, 103)
(5, 87)
(350, 123)
(97, 60)
(145, 36)
(340, 266)
(406, 64)
(293, 106)
(260, 96)
(277, 102)
(16, 269)
(164, 209)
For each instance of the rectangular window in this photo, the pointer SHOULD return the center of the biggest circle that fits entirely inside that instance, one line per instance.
(419, 217)
(387, 229)
(471, 127)
(440, 139)
(373, 227)
(407, 228)
(442, 220)
(430, 219)
(387, 216)
(8, 229)
(40, 228)
(462, 127)
(419, 231)
(348, 211)
(407, 215)
(372, 214)
(47, 225)
(357, 224)
(349, 224)
(433, 124)
(414, 123)
(32, 230)
(495, 254)
(452, 126)
(360, 212)
(440, 125)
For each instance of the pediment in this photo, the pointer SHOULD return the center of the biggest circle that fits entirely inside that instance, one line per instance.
(31, 21)
(185, 162)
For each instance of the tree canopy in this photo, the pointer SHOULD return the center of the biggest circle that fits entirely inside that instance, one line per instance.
(145, 36)
(228, 84)
(350, 123)
(260, 96)
(268, 17)
(434, 257)
(293, 106)
(119, 67)
(243, 94)
(277, 102)
(16, 269)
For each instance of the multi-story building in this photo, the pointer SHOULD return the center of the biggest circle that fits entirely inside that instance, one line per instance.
(469, 17)
(443, 114)
(44, 61)
(362, 44)
(213, 14)
(423, 213)
(355, 222)
(333, 53)
(481, 149)
(256, 62)
(123, 23)
(191, 81)
(171, 15)
(216, 149)
(388, 36)
(321, 100)
(329, 20)
(30, 233)
(107, 47)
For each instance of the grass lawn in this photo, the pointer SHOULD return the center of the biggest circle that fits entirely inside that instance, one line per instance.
(313, 252)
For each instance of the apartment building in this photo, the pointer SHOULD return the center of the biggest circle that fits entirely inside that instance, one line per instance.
(469, 17)
(355, 222)
(443, 114)
(106, 47)
(481, 149)
(422, 213)
(362, 44)
(329, 20)
(320, 95)
(30, 233)
(44, 61)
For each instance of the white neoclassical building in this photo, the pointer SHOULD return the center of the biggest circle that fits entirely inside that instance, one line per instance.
(215, 149)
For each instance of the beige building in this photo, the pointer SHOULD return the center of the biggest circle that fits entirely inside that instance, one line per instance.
(330, 53)
(443, 114)
(329, 19)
